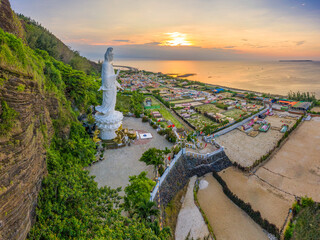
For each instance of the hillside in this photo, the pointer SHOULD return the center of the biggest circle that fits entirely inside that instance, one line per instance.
(9, 21)
(45, 193)
(38, 37)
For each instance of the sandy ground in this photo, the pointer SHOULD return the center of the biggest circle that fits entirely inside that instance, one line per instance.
(315, 109)
(244, 149)
(227, 220)
(295, 168)
(190, 218)
(119, 164)
(272, 204)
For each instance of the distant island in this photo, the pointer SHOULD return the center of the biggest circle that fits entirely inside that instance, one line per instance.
(295, 61)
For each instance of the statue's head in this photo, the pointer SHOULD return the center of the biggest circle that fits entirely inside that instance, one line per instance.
(109, 55)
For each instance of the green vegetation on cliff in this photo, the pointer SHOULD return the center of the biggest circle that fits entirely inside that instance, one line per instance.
(39, 37)
(70, 204)
(7, 118)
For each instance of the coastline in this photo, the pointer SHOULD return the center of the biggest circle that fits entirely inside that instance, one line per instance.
(274, 77)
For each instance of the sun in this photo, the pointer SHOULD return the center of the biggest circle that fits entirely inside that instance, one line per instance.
(176, 39)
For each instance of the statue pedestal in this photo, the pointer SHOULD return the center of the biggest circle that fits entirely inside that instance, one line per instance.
(108, 124)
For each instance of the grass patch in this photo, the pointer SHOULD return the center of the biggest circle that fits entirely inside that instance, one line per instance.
(234, 113)
(167, 114)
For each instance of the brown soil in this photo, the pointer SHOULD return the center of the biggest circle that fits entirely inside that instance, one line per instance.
(295, 168)
(228, 221)
(245, 149)
(272, 204)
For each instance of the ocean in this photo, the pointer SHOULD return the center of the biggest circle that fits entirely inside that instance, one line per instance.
(267, 77)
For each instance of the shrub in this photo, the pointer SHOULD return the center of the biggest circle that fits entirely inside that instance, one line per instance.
(7, 118)
(21, 88)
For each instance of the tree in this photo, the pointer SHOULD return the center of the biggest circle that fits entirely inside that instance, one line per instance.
(137, 191)
(146, 209)
(153, 156)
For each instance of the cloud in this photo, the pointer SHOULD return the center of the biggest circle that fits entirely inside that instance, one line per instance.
(229, 46)
(121, 40)
(153, 43)
(244, 39)
(299, 43)
(256, 45)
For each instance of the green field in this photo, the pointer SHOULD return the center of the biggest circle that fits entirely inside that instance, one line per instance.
(166, 113)
(234, 113)
(209, 108)
(200, 122)
(183, 101)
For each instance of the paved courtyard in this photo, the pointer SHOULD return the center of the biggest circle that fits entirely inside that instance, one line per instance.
(119, 164)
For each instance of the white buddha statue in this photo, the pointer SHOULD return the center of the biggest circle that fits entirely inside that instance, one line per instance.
(109, 85)
(108, 120)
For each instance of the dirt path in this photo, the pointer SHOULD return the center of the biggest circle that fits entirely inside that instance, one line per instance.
(273, 205)
(228, 221)
(190, 218)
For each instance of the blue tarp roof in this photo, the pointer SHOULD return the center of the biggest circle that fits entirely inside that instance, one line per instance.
(218, 90)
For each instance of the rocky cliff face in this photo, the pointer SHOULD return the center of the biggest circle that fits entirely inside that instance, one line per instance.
(22, 152)
(9, 22)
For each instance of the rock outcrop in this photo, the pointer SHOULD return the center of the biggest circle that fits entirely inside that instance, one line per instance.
(9, 21)
(22, 152)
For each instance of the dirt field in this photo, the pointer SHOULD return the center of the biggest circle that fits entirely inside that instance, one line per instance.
(315, 109)
(245, 150)
(296, 166)
(272, 204)
(227, 220)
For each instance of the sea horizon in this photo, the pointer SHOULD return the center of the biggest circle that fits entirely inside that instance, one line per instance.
(266, 76)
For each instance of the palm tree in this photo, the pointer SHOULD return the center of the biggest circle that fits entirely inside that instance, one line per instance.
(153, 156)
(146, 209)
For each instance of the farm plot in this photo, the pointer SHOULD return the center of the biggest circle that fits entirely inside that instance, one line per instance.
(187, 100)
(209, 108)
(200, 121)
(295, 168)
(234, 113)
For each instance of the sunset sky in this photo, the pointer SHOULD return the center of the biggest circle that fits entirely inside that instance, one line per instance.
(183, 29)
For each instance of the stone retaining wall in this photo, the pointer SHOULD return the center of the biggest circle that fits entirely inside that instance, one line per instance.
(185, 168)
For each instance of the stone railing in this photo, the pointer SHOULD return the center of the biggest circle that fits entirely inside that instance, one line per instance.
(204, 156)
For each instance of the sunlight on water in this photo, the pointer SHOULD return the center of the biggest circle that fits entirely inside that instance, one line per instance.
(268, 77)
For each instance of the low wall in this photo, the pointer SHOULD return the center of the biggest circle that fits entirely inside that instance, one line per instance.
(185, 167)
